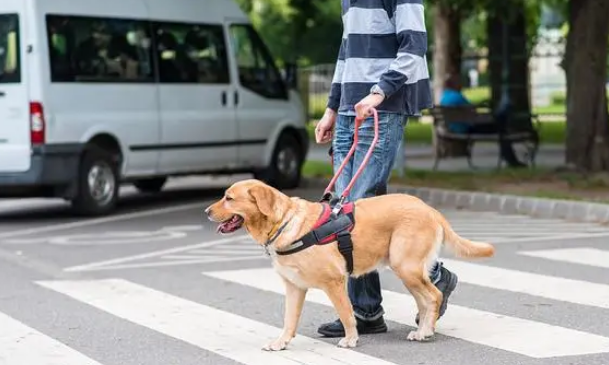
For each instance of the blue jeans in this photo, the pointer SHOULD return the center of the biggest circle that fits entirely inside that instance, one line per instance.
(365, 291)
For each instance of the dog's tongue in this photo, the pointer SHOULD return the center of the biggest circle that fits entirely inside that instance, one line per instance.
(225, 227)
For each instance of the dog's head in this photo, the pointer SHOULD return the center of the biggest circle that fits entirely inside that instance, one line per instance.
(250, 204)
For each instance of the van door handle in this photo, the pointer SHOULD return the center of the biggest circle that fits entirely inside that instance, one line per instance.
(224, 98)
(236, 97)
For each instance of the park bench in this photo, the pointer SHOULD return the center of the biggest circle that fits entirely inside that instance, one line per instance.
(447, 144)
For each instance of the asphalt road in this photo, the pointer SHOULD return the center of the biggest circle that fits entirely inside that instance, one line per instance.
(154, 284)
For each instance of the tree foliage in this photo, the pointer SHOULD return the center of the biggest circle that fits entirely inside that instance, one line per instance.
(305, 30)
(310, 30)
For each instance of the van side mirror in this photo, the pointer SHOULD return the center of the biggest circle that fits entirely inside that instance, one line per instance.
(291, 75)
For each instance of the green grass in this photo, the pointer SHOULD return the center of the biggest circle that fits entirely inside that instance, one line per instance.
(553, 132)
(541, 183)
(551, 109)
(317, 102)
(457, 179)
(420, 133)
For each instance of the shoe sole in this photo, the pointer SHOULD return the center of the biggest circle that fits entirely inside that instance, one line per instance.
(451, 286)
(367, 331)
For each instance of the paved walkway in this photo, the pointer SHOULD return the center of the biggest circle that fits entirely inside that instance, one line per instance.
(485, 157)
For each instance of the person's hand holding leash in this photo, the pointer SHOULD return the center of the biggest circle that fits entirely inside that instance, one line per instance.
(363, 109)
(323, 130)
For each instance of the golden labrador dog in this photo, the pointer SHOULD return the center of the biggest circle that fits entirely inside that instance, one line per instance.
(396, 230)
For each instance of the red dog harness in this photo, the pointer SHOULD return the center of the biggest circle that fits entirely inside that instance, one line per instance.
(336, 221)
(329, 227)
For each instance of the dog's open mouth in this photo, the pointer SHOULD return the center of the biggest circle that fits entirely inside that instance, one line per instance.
(230, 225)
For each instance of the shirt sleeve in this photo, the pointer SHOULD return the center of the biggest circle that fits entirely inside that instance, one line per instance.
(412, 46)
(335, 88)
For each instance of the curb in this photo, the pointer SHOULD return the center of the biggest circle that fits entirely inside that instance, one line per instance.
(577, 211)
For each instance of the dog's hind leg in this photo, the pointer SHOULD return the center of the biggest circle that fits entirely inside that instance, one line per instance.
(408, 260)
(428, 299)
(337, 293)
(294, 301)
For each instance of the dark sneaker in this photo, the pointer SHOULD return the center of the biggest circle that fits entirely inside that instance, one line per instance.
(335, 329)
(447, 283)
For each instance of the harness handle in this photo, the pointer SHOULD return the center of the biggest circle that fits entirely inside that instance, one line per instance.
(358, 123)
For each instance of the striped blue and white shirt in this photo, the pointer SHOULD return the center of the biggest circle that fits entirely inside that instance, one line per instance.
(384, 42)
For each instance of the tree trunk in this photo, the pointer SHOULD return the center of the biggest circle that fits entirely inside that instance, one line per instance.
(513, 16)
(587, 144)
(447, 45)
(518, 78)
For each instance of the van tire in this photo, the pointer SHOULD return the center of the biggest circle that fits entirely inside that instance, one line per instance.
(153, 185)
(287, 150)
(85, 203)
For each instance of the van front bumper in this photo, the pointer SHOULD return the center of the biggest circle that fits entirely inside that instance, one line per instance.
(52, 166)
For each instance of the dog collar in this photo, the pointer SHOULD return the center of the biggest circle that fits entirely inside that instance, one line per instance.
(276, 234)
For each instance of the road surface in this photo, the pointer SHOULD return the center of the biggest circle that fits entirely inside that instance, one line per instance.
(154, 284)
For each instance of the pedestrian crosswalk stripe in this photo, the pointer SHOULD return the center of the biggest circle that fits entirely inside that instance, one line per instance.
(578, 255)
(533, 238)
(227, 334)
(162, 258)
(534, 223)
(545, 286)
(23, 345)
(522, 336)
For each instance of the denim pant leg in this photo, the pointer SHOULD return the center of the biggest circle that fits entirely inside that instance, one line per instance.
(365, 291)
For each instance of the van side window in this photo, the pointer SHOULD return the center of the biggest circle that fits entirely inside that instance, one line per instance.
(85, 49)
(10, 71)
(191, 53)
(257, 70)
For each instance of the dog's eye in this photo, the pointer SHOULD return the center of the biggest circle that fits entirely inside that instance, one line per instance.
(228, 198)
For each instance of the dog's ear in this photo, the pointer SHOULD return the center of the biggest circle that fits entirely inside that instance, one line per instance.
(264, 198)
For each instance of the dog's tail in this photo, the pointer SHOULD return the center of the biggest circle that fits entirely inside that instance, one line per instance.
(462, 247)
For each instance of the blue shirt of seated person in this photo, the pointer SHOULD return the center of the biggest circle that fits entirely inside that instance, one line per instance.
(453, 97)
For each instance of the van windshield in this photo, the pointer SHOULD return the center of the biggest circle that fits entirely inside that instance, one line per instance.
(9, 49)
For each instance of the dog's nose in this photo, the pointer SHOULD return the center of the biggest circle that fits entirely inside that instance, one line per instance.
(208, 210)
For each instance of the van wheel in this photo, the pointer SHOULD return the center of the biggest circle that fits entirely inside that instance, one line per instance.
(150, 185)
(284, 172)
(98, 183)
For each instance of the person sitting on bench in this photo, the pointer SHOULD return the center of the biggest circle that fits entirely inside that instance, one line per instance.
(452, 96)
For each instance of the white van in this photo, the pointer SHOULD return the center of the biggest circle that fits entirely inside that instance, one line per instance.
(95, 93)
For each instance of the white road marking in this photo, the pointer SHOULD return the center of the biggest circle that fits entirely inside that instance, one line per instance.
(545, 286)
(557, 237)
(23, 345)
(522, 336)
(186, 228)
(117, 263)
(92, 222)
(103, 238)
(180, 262)
(504, 220)
(583, 256)
(226, 334)
(530, 229)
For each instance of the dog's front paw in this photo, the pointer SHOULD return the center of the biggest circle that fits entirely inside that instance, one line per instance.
(277, 345)
(419, 335)
(348, 342)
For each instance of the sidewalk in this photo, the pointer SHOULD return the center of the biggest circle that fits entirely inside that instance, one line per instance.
(544, 118)
(485, 157)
